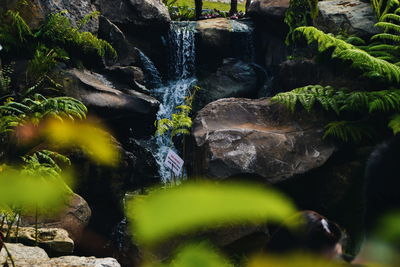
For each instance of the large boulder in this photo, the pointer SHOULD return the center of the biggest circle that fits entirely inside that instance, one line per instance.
(73, 217)
(36, 10)
(147, 13)
(235, 137)
(234, 78)
(354, 17)
(35, 256)
(270, 14)
(122, 109)
(221, 38)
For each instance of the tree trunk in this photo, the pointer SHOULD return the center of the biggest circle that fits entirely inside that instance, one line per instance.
(233, 10)
(198, 8)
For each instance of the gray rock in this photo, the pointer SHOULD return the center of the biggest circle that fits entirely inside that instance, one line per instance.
(71, 261)
(114, 35)
(150, 13)
(24, 256)
(53, 240)
(123, 108)
(234, 78)
(36, 11)
(242, 136)
(353, 17)
(270, 14)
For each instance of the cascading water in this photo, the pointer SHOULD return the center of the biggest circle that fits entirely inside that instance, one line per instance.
(152, 76)
(182, 55)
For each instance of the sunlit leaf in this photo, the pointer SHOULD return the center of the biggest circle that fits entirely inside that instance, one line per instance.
(168, 212)
(95, 141)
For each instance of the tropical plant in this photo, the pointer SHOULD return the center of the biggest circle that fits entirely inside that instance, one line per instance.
(300, 13)
(356, 111)
(59, 30)
(180, 122)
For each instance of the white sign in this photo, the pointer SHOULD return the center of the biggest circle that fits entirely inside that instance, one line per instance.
(174, 162)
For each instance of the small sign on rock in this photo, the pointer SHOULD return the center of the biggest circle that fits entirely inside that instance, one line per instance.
(174, 162)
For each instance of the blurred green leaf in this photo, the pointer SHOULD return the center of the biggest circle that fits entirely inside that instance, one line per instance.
(199, 255)
(388, 229)
(168, 212)
(294, 260)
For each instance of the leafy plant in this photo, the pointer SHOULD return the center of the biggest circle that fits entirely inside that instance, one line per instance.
(300, 13)
(181, 122)
(59, 30)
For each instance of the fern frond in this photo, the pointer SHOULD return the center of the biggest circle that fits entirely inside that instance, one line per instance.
(348, 131)
(394, 123)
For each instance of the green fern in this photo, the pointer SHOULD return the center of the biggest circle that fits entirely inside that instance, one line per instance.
(14, 31)
(38, 108)
(59, 30)
(349, 131)
(369, 66)
(394, 123)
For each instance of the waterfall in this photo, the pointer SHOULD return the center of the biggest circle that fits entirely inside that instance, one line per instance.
(151, 74)
(181, 44)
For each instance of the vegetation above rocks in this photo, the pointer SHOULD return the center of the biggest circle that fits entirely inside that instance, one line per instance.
(357, 111)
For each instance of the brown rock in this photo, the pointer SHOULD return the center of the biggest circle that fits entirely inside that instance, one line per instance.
(73, 218)
(240, 136)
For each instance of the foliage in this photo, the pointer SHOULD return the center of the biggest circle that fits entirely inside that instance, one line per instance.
(36, 108)
(207, 5)
(300, 13)
(165, 213)
(44, 61)
(181, 122)
(15, 32)
(5, 79)
(59, 30)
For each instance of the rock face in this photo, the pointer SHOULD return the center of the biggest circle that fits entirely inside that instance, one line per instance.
(149, 13)
(129, 108)
(36, 11)
(35, 256)
(234, 78)
(54, 240)
(221, 38)
(73, 218)
(350, 16)
(236, 137)
(270, 12)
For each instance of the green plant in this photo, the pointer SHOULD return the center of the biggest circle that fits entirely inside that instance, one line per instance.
(38, 108)
(179, 123)
(300, 13)
(59, 30)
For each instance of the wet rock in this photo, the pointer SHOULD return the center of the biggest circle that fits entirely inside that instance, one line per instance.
(147, 13)
(236, 137)
(35, 256)
(122, 109)
(270, 12)
(55, 241)
(234, 78)
(73, 217)
(353, 17)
